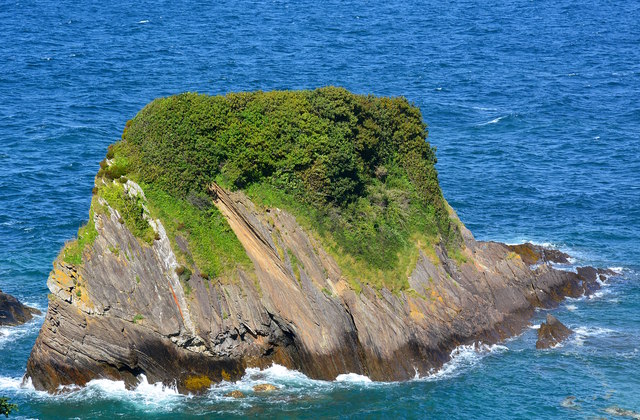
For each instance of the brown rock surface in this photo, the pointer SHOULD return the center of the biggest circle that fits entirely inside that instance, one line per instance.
(235, 394)
(551, 333)
(102, 323)
(12, 312)
(264, 388)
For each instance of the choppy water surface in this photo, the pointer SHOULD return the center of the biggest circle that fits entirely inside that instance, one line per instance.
(533, 106)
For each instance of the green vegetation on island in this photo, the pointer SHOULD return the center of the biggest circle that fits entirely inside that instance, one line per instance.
(354, 170)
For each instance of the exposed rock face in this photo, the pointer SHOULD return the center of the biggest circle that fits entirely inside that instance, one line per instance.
(126, 313)
(12, 312)
(551, 333)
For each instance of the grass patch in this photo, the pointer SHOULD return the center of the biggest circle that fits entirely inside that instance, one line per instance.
(184, 274)
(130, 210)
(392, 265)
(137, 318)
(212, 245)
(115, 250)
(295, 265)
(87, 234)
(457, 255)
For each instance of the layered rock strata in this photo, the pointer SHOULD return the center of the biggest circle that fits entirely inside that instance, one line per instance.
(126, 312)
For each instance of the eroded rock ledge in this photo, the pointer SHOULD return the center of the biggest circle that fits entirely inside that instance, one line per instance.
(126, 312)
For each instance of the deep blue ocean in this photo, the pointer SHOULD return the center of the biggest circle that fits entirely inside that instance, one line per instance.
(534, 107)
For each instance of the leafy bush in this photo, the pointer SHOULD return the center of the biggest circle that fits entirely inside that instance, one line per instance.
(6, 407)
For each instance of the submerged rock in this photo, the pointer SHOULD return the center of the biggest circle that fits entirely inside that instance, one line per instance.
(12, 312)
(622, 412)
(551, 333)
(264, 388)
(570, 402)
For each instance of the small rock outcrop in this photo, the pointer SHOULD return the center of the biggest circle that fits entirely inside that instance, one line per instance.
(235, 394)
(551, 333)
(264, 388)
(12, 312)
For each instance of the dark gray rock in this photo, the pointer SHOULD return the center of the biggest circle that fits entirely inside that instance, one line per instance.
(552, 333)
(12, 312)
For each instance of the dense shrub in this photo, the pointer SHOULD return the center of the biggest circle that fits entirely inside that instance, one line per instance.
(357, 168)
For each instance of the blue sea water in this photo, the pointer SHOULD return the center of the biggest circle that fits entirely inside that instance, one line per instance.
(534, 107)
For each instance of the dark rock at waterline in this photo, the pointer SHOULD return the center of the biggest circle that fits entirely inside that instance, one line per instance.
(592, 277)
(12, 312)
(551, 333)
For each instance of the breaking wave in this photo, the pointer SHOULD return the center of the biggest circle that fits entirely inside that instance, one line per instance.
(463, 358)
(581, 334)
(10, 335)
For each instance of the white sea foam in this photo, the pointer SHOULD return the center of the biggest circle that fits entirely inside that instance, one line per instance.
(582, 333)
(524, 240)
(493, 121)
(142, 22)
(599, 294)
(571, 307)
(353, 378)
(463, 358)
(9, 383)
(9, 335)
(276, 374)
(535, 326)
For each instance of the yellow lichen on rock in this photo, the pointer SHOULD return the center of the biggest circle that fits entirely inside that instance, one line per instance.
(234, 394)
(414, 312)
(197, 383)
(264, 388)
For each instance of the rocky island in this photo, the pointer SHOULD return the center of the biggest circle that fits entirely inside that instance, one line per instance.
(301, 228)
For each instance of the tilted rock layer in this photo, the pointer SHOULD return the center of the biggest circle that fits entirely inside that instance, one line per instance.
(125, 311)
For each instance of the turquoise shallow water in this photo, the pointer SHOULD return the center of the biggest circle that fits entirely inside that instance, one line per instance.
(533, 107)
